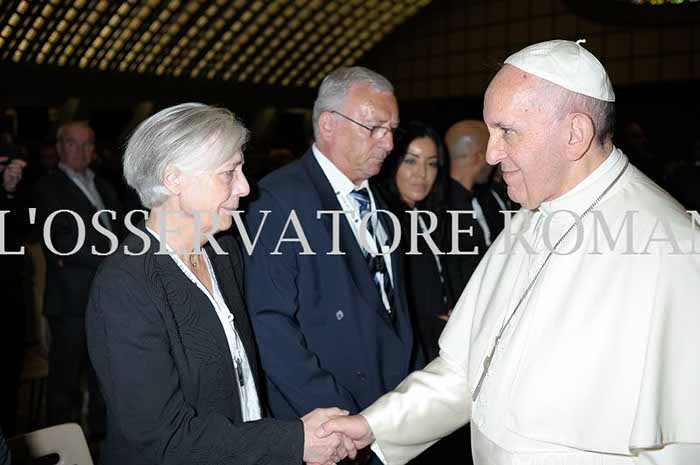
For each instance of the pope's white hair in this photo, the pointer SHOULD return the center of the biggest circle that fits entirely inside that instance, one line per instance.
(192, 137)
(563, 102)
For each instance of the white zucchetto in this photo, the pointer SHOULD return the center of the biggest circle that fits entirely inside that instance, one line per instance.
(566, 64)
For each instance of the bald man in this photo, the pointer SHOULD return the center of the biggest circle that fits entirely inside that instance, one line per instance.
(472, 190)
(466, 143)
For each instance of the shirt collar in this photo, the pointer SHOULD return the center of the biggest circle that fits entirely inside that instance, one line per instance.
(157, 236)
(584, 193)
(88, 176)
(341, 184)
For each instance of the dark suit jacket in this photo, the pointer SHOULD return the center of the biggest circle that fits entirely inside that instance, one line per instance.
(324, 336)
(165, 368)
(461, 267)
(68, 278)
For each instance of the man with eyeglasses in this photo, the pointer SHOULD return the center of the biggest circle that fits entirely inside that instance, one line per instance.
(333, 328)
(69, 273)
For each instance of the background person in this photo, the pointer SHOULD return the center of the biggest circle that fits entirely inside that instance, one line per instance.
(73, 186)
(417, 179)
(13, 312)
(473, 189)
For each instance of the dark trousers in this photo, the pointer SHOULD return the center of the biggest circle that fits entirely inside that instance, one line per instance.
(12, 315)
(68, 361)
(5, 457)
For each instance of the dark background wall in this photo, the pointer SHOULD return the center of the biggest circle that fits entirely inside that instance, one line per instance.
(442, 60)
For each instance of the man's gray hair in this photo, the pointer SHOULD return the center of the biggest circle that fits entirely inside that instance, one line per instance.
(192, 137)
(565, 102)
(337, 84)
(62, 128)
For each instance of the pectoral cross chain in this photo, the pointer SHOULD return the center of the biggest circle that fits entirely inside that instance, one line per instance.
(484, 372)
(489, 357)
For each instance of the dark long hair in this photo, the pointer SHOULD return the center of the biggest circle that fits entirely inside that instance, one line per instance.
(436, 200)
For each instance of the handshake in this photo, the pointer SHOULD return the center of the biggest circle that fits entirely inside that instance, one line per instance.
(330, 435)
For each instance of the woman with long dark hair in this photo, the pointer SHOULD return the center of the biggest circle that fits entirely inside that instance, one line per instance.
(414, 179)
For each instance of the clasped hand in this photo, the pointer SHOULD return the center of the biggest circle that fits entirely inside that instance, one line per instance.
(330, 435)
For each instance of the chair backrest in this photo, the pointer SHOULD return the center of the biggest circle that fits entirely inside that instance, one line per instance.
(67, 441)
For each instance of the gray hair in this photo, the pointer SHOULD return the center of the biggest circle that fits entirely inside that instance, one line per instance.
(61, 129)
(337, 84)
(192, 137)
(564, 102)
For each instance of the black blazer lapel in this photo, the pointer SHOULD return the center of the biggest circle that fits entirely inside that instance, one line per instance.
(74, 191)
(355, 261)
(175, 288)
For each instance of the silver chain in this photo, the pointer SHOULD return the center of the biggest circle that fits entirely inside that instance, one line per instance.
(504, 325)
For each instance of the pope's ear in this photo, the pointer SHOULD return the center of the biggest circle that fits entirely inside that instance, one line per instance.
(172, 179)
(581, 134)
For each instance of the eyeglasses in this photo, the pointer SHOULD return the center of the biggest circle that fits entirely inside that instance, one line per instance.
(376, 132)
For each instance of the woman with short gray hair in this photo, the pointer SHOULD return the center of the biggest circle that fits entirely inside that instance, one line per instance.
(168, 333)
(191, 136)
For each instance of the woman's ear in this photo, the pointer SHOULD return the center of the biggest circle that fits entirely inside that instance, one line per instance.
(172, 179)
(581, 135)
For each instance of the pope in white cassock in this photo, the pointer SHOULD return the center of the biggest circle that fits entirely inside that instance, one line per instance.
(576, 340)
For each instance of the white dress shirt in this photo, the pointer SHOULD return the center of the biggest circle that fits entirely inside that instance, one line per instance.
(86, 184)
(250, 404)
(343, 187)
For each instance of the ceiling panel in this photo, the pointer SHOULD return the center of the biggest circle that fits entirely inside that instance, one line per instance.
(275, 42)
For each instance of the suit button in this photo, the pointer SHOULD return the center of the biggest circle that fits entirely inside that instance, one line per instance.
(339, 315)
(362, 376)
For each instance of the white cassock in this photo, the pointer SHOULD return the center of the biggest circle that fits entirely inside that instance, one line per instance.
(601, 363)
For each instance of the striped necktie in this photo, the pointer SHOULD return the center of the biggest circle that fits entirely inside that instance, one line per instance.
(376, 264)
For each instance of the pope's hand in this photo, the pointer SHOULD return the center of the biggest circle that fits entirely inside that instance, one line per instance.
(354, 427)
(330, 448)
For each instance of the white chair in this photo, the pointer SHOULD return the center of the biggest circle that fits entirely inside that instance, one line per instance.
(67, 441)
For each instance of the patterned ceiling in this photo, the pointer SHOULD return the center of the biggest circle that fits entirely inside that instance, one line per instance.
(274, 42)
(658, 2)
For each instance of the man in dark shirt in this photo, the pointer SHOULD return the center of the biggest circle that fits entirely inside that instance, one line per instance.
(471, 189)
(73, 186)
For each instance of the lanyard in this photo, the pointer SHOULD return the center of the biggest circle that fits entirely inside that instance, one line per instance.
(481, 218)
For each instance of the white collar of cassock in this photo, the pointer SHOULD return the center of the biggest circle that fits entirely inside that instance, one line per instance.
(582, 196)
